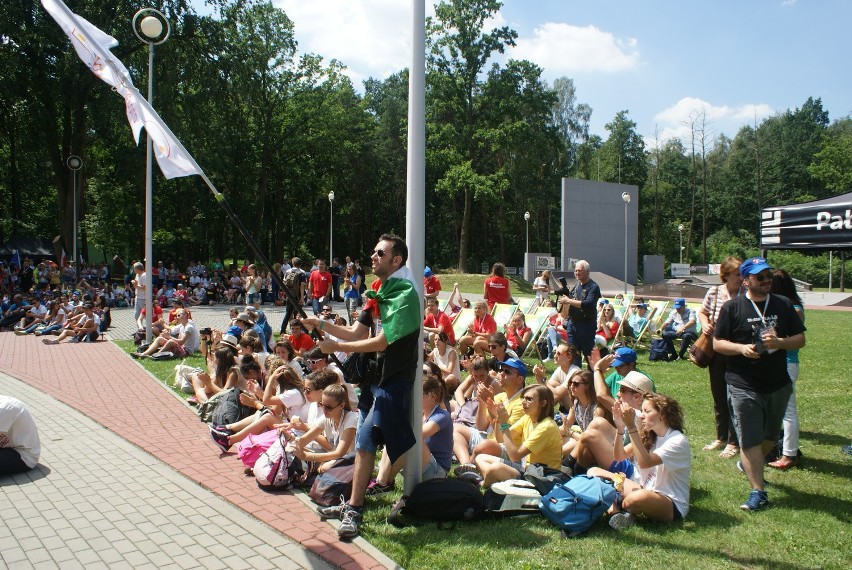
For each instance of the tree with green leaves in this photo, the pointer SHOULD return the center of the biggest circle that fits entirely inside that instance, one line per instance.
(459, 50)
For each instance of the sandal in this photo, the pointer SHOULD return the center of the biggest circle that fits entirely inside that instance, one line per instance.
(729, 451)
(783, 463)
(716, 444)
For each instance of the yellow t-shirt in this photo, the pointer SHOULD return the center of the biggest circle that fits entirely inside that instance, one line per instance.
(542, 440)
(515, 410)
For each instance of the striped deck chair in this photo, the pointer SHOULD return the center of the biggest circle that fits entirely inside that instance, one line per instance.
(462, 321)
(661, 311)
(637, 342)
(502, 313)
(537, 323)
(527, 304)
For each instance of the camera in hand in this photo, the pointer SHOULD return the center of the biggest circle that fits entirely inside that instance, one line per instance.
(206, 331)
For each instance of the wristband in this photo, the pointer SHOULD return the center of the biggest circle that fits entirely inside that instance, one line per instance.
(504, 427)
(322, 325)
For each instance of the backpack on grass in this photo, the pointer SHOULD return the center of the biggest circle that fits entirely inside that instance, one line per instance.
(659, 350)
(576, 505)
(441, 500)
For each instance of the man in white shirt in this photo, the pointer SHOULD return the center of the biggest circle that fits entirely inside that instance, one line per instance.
(182, 340)
(20, 447)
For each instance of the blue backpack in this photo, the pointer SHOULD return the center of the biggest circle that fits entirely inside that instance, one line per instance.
(576, 505)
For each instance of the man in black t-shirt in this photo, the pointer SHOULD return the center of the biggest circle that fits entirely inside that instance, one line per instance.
(386, 421)
(755, 330)
(582, 301)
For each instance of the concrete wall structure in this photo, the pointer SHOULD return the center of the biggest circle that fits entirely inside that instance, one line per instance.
(593, 226)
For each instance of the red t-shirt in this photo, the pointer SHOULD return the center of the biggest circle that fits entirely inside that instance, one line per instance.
(514, 339)
(497, 290)
(304, 342)
(443, 322)
(173, 316)
(431, 285)
(487, 325)
(320, 282)
(158, 312)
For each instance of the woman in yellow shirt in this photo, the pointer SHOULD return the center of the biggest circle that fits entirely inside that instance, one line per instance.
(541, 442)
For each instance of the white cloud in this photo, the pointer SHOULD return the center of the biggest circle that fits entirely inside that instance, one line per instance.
(562, 48)
(371, 37)
(674, 121)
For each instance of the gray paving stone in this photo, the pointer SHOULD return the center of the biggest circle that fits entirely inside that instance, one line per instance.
(213, 563)
(15, 554)
(142, 514)
(37, 555)
(62, 554)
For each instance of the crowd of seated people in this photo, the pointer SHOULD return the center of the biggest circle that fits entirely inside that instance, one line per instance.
(481, 402)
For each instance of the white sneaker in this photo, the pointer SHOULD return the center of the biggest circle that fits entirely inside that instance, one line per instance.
(622, 520)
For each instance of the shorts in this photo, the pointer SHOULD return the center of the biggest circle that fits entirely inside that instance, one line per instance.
(179, 350)
(476, 437)
(757, 416)
(433, 471)
(364, 437)
(517, 466)
(11, 462)
(676, 516)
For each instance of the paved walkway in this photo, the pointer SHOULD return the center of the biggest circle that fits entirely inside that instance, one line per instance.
(96, 501)
(101, 382)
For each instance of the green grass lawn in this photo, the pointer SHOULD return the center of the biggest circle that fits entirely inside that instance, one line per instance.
(807, 525)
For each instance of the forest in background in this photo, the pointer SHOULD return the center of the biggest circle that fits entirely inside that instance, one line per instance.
(276, 130)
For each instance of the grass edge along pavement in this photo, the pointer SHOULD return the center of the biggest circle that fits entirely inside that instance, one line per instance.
(804, 527)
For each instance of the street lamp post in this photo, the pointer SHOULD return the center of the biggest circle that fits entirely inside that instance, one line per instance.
(330, 227)
(152, 28)
(680, 235)
(626, 197)
(526, 265)
(74, 163)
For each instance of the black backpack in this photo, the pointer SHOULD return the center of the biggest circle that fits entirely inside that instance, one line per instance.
(441, 500)
(659, 350)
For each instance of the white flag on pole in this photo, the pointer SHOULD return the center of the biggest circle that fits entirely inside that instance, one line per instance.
(93, 45)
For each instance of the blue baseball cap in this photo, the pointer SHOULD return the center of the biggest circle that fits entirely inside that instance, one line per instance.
(517, 364)
(624, 355)
(427, 272)
(753, 266)
(679, 303)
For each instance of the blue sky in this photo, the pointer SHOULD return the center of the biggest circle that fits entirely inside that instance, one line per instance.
(660, 60)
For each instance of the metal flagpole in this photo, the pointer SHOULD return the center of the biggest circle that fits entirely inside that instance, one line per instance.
(415, 221)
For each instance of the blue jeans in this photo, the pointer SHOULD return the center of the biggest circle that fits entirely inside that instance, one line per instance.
(553, 339)
(687, 338)
(581, 335)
